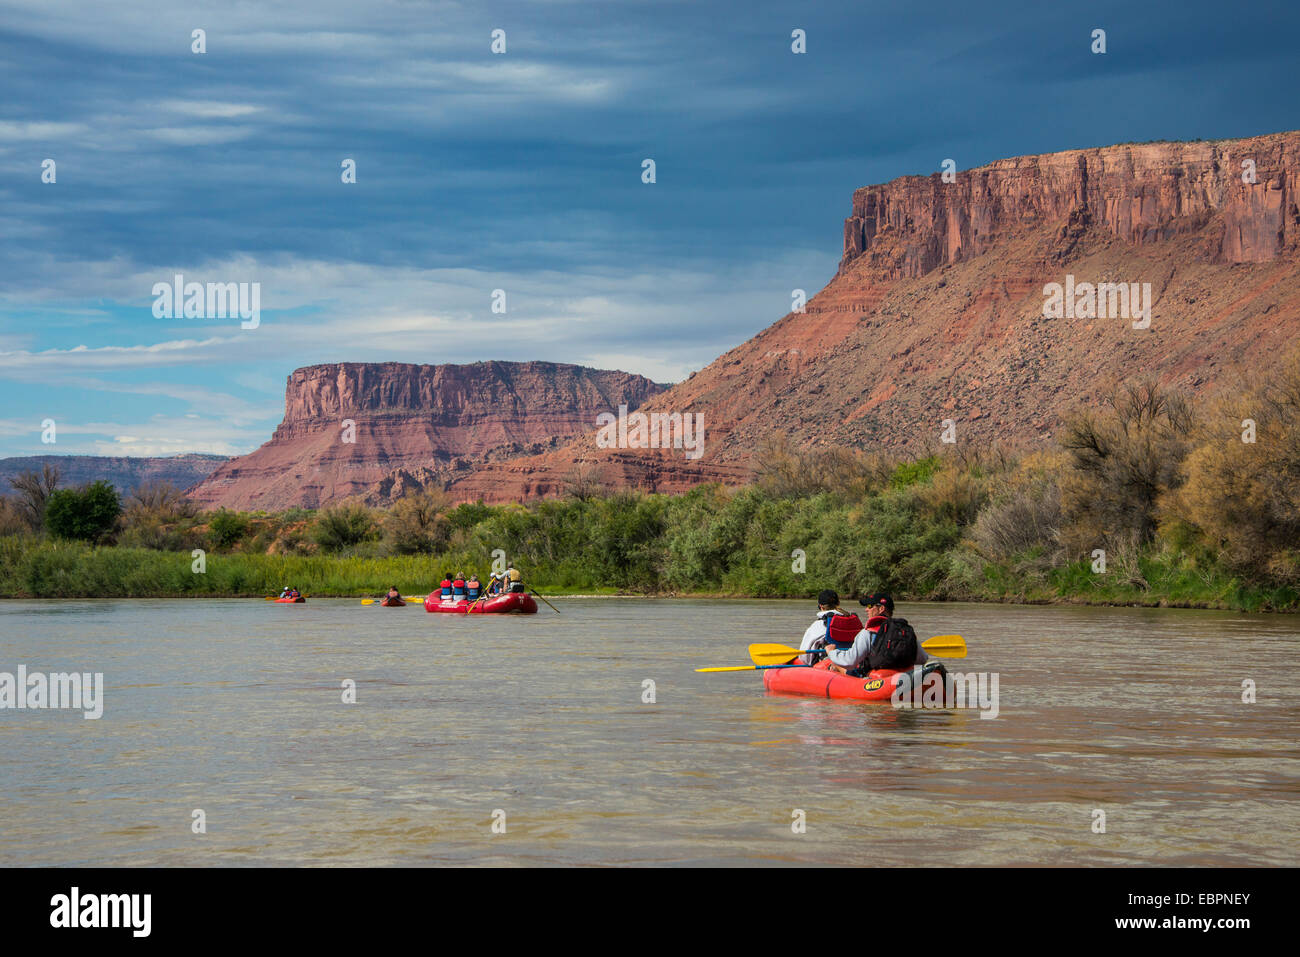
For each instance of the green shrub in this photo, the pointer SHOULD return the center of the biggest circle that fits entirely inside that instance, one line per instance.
(343, 526)
(88, 514)
(225, 528)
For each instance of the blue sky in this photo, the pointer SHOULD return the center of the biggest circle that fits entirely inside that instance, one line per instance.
(519, 171)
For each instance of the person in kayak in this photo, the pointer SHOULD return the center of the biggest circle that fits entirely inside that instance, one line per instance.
(828, 623)
(445, 586)
(284, 592)
(393, 593)
(458, 587)
(473, 588)
(885, 642)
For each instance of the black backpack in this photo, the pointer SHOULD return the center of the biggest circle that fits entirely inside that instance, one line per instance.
(895, 646)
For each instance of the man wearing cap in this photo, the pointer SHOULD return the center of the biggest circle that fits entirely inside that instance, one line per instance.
(880, 608)
(828, 605)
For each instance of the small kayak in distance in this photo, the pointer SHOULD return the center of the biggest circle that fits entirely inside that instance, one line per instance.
(515, 603)
(393, 603)
(290, 601)
(876, 686)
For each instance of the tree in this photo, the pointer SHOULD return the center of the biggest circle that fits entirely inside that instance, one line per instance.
(342, 526)
(1242, 488)
(1124, 457)
(34, 490)
(87, 514)
(226, 527)
(583, 483)
(416, 523)
(155, 515)
(13, 521)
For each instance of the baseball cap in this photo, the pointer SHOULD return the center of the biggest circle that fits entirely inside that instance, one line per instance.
(877, 598)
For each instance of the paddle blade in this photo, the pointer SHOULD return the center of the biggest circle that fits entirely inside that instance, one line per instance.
(946, 646)
(367, 601)
(767, 654)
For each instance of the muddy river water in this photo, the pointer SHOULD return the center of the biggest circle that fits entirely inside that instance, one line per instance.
(1121, 737)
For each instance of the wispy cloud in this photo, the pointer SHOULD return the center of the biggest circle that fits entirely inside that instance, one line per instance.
(84, 358)
(36, 130)
(206, 109)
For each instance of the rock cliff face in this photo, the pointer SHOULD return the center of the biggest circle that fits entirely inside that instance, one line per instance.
(937, 311)
(1141, 194)
(375, 430)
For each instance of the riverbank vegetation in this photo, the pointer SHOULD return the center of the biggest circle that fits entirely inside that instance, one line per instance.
(1143, 499)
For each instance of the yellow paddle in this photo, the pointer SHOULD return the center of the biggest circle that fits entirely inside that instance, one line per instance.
(762, 654)
(941, 646)
(406, 598)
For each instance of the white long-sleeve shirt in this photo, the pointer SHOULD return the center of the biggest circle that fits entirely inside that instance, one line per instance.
(815, 636)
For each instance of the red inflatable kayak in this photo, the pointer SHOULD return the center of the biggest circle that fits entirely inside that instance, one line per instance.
(877, 686)
(393, 603)
(515, 603)
(290, 601)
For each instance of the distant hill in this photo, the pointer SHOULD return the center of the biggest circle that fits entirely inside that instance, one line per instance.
(124, 473)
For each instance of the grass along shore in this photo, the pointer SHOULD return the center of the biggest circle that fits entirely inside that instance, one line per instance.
(37, 568)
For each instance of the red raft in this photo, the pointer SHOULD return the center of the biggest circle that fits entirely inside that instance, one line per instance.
(290, 601)
(876, 686)
(515, 603)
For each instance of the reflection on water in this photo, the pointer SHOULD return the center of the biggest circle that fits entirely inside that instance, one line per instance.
(235, 707)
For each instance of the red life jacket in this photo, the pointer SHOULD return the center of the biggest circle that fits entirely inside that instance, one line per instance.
(842, 628)
(445, 587)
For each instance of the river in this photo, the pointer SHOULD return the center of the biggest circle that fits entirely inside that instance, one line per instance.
(528, 740)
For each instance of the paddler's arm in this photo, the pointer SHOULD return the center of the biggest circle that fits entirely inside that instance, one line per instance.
(857, 652)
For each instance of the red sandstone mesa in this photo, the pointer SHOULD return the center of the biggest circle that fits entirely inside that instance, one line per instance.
(415, 425)
(936, 312)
